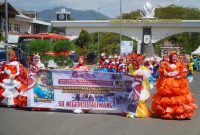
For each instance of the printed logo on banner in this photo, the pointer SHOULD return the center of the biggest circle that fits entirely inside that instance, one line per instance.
(75, 74)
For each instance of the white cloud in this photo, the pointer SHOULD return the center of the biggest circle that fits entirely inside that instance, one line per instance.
(112, 7)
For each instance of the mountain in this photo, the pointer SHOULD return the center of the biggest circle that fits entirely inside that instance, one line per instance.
(50, 14)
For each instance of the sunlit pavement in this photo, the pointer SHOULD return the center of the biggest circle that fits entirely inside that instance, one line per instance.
(20, 122)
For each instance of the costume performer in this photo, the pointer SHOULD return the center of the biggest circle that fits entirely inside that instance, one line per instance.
(103, 63)
(173, 99)
(155, 68)
(35, 66)
(12, 80)
(149, 65)
(191, 66)
(36, 63)
(142, 109)
(81, 67)
(122, 68)
(112, 65)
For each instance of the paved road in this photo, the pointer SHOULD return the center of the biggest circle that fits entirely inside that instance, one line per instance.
(19, 122)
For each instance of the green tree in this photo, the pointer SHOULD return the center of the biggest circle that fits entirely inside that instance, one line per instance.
(84, 39)
(177, 12)
(62, 47)
(39, 46)
(132, 15)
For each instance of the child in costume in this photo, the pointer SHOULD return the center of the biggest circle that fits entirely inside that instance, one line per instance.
(103, 63)
(191, 66)
(112, 65)
(173, 99)
(196, 63)
(142, 109)
(190, 70)
(122, 68)
(155, 68)
(149, 65)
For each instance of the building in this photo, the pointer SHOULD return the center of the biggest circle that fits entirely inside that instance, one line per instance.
(20, 22)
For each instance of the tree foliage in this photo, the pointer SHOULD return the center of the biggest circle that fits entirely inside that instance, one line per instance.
(177, 12)
(62, 45)
(108, 42)
(84, 39)
(39, 46)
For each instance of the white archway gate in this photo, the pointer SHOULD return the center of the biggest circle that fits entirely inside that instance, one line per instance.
(132, 29)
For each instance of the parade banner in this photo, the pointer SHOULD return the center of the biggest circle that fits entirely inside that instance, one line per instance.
(65, 89)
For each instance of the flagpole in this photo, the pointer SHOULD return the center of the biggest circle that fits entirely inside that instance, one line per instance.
(6, 29)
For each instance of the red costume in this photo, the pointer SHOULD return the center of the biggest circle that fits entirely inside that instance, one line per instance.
(81, 66)
(173, 99)
(112, 67)
(122, 68)
(13, 80)
(103, 63)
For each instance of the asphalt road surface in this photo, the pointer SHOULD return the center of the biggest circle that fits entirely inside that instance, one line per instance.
(20, 122)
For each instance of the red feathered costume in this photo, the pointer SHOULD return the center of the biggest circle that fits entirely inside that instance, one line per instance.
(13, 80)
(173, 99)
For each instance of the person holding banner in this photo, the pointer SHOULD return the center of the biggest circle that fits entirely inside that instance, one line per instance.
(81, 67)
(142, 109)
(36, 64)
(173, 99)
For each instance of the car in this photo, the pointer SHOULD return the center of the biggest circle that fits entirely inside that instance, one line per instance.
(2, 54)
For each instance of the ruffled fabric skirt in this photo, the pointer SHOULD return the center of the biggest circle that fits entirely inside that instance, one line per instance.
(173, 99)
(142, 110)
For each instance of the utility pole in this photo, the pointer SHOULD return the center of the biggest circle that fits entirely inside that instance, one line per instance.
(120, 24)
(98, 32)
(6, 29)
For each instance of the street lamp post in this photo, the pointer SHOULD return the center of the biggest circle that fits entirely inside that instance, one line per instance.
(120, 21)
(98, 20)
(98, 32)
(6, 29)
(120, 37)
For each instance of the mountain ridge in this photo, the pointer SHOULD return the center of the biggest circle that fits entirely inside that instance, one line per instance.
(50, 14)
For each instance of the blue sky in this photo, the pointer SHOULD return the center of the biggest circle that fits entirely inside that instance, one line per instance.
(110, 8)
